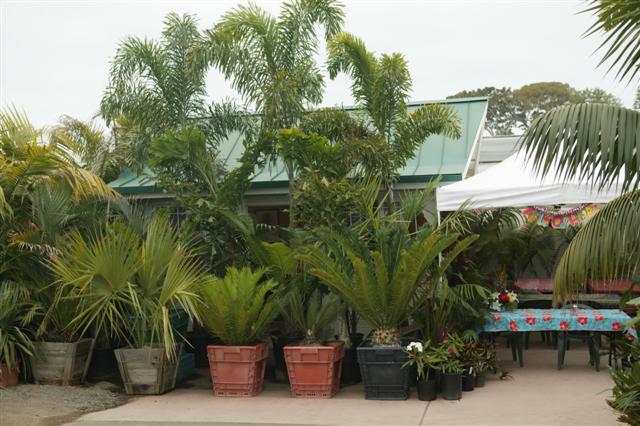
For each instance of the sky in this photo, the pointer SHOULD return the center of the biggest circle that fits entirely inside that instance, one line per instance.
(55, 55)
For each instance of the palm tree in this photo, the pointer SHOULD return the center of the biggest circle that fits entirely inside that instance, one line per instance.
(381, 86)
(151, 89)
(598, 143)
(270, 61)
(43, 192)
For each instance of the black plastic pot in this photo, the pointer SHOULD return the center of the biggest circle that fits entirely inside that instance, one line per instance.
(427, 390)
(468, 382)
(350, 369)
(481, 379)
(451, 386)
(382, 372)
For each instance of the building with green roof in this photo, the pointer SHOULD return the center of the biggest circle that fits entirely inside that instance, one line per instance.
(452, 159)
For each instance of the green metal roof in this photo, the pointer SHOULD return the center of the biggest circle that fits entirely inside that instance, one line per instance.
(438, 156)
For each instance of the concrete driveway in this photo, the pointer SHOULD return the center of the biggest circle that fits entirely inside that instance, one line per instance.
(537, 394)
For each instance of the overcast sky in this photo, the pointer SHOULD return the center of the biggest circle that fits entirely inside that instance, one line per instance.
(55, 54)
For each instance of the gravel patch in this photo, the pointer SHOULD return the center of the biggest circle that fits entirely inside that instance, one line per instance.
(54, 405)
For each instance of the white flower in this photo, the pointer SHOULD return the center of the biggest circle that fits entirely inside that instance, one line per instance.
(415, 345)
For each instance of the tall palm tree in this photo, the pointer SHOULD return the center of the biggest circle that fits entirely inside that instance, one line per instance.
(151, 89)
(598, 143)
(270, 61)
(381, 85)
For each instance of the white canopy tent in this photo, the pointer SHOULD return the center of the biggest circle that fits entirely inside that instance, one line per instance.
(514, 183)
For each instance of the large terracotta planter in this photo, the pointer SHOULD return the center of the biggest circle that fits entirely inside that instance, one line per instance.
(61, 363)
(237, 370)
(148, 370)
(8, 377)
(314, 371)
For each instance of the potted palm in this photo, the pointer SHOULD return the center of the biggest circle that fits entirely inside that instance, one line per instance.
(127, 284)
(426, 358)
(239, 309)
(452, 368)
(16, 315)
(313, 365)
(380, 274)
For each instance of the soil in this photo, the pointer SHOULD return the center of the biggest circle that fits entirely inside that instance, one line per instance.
(55, 405)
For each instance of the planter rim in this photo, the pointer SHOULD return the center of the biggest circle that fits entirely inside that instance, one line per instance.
(238, 346)
(51, 342)
(328, 344)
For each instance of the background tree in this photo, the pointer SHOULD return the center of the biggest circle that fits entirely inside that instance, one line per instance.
(512, 109)
(151, 89)
(501, 118)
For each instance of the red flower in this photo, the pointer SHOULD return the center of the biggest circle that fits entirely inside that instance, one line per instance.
(452, 349)
(564, 325)
(546, 318)
(531, 320)
(582, 320)
(503, 297)
(630, 337)
(497, 317)
(615, 326)
(513, 325)
(599, 318)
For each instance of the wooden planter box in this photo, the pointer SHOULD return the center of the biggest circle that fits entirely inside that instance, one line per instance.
(147, 371)
(61, 363)
(8, 377)
(237, 370)
(314, 371)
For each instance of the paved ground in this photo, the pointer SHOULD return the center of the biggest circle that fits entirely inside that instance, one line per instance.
(538, 394)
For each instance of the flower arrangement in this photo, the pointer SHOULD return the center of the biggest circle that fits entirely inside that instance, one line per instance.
(503, 300)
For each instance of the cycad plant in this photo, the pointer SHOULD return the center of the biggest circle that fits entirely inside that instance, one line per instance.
(240, 306)
(384, 273)
(311, 316)
(126, 285)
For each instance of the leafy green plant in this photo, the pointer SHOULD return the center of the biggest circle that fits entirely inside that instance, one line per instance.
(380, 272)
(310, 316)
(626, 389)
(240, 306)
(425, 357)
(16, 332)
(127, 285)
(452, 347)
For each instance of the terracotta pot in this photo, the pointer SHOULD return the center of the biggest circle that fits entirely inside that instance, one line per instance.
(237, 370)
(314, 371)
(8, 377)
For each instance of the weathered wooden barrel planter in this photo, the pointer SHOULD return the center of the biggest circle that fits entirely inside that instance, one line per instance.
(148, 370)
(56, 363)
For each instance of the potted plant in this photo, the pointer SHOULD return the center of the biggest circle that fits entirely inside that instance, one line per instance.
(486, 359)
(313, 365)
(380, 274)
(426, 359)
(452, 369)
(239, 309)
(128, 284)
(16, 315)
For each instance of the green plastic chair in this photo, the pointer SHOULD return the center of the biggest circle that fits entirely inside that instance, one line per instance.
(592, 339)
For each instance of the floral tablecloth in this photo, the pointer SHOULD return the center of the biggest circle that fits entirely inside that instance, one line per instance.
(605, 320)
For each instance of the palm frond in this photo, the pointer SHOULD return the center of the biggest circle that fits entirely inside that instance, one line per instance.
(607, 247)
(619, 21)
(595, 143)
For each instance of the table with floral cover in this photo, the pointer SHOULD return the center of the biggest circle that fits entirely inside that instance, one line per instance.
(571, 319)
